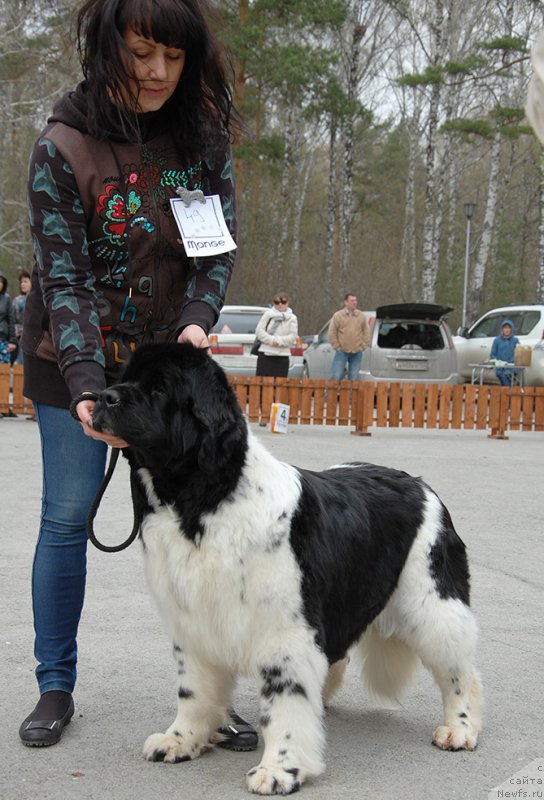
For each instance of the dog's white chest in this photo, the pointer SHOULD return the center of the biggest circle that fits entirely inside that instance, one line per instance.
(218, 595)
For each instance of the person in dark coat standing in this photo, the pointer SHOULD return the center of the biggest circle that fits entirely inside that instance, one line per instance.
(152, 120)
(8, 341)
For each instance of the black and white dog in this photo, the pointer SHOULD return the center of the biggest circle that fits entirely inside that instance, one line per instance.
(262, 569)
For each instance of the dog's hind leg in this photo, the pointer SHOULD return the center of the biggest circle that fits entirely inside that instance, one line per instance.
(203, 695)
(291, 721)
(335, 679)
(461, 693)
(431, 613)
(446, 645)
(445, 641)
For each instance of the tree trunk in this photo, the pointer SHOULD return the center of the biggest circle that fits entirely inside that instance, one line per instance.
(238, 99)
(492, 203)
(478, 275)
(282, 216)
(331, 214)
(408, 269)
(348, 141)
(540, 289)
(294, 265)
(430, 264)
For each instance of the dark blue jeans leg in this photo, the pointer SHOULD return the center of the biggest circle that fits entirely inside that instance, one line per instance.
(504, 376)
(338, 365)
(73, 467)
(354, 365)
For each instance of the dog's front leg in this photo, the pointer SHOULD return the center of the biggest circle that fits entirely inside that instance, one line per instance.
(291, 723)
(204, 694)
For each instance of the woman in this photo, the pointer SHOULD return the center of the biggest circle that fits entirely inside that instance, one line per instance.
(277, 331)
(7, 324)
(19, 303)
(153, 114)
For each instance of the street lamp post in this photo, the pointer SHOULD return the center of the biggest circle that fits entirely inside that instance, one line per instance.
(469, 211)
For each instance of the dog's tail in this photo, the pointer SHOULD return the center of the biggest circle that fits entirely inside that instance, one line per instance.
(388, 664)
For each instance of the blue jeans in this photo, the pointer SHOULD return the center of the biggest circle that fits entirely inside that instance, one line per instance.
(506, 376)
(73, 467)
(353, 362)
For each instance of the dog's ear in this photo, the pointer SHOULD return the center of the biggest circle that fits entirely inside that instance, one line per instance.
(223, 430)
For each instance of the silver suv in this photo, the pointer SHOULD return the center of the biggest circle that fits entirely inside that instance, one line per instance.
(473, 346)
(411, 342)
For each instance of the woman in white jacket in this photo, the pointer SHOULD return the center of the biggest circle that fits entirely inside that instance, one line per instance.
(277, 331)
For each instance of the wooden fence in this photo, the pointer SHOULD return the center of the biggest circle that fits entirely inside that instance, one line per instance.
(363, 406)
(367, 405)
(463, 406)
(11, 390)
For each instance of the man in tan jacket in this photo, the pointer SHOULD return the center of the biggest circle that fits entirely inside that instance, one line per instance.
(349, 334)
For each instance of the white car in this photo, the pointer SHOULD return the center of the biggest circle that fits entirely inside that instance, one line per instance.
(473, 346)
(232, 337)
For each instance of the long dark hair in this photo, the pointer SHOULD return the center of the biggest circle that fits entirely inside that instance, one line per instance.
(200, 110)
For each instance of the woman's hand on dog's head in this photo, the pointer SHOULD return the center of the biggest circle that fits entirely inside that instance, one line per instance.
(195, 335)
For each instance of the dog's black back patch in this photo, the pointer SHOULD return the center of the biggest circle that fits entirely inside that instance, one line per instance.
(351, 534)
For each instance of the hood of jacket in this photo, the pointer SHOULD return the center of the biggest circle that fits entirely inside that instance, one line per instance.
(73, 110)
(508, 322)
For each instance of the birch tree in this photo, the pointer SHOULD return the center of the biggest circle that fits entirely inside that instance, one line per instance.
(508, 47)
(540, 282)
(356, 32)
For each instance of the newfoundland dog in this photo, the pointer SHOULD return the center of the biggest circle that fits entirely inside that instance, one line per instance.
(266, 570)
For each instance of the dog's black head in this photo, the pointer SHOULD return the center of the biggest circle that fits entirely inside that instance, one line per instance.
(174, 407)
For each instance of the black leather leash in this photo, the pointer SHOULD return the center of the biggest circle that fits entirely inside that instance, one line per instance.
(94, 508)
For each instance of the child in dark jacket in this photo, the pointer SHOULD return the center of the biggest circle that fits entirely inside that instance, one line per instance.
(7, 325)
(502, 349)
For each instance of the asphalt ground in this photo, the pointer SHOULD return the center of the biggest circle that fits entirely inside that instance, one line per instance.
(126, 685)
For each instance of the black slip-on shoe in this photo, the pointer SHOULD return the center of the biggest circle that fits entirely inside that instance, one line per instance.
(37, 732)
(238, 735)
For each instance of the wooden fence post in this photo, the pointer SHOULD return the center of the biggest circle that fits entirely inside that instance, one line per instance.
(5, 373)
(499, 422)
(364, 415)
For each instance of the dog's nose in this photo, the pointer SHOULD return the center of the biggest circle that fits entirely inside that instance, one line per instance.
(111, 397)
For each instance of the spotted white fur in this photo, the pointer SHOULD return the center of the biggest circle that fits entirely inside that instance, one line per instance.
(235, 603)
(272, 572)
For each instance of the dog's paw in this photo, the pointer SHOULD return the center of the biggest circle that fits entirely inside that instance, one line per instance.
(172, 747)
(454, 738)
(273, 779)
